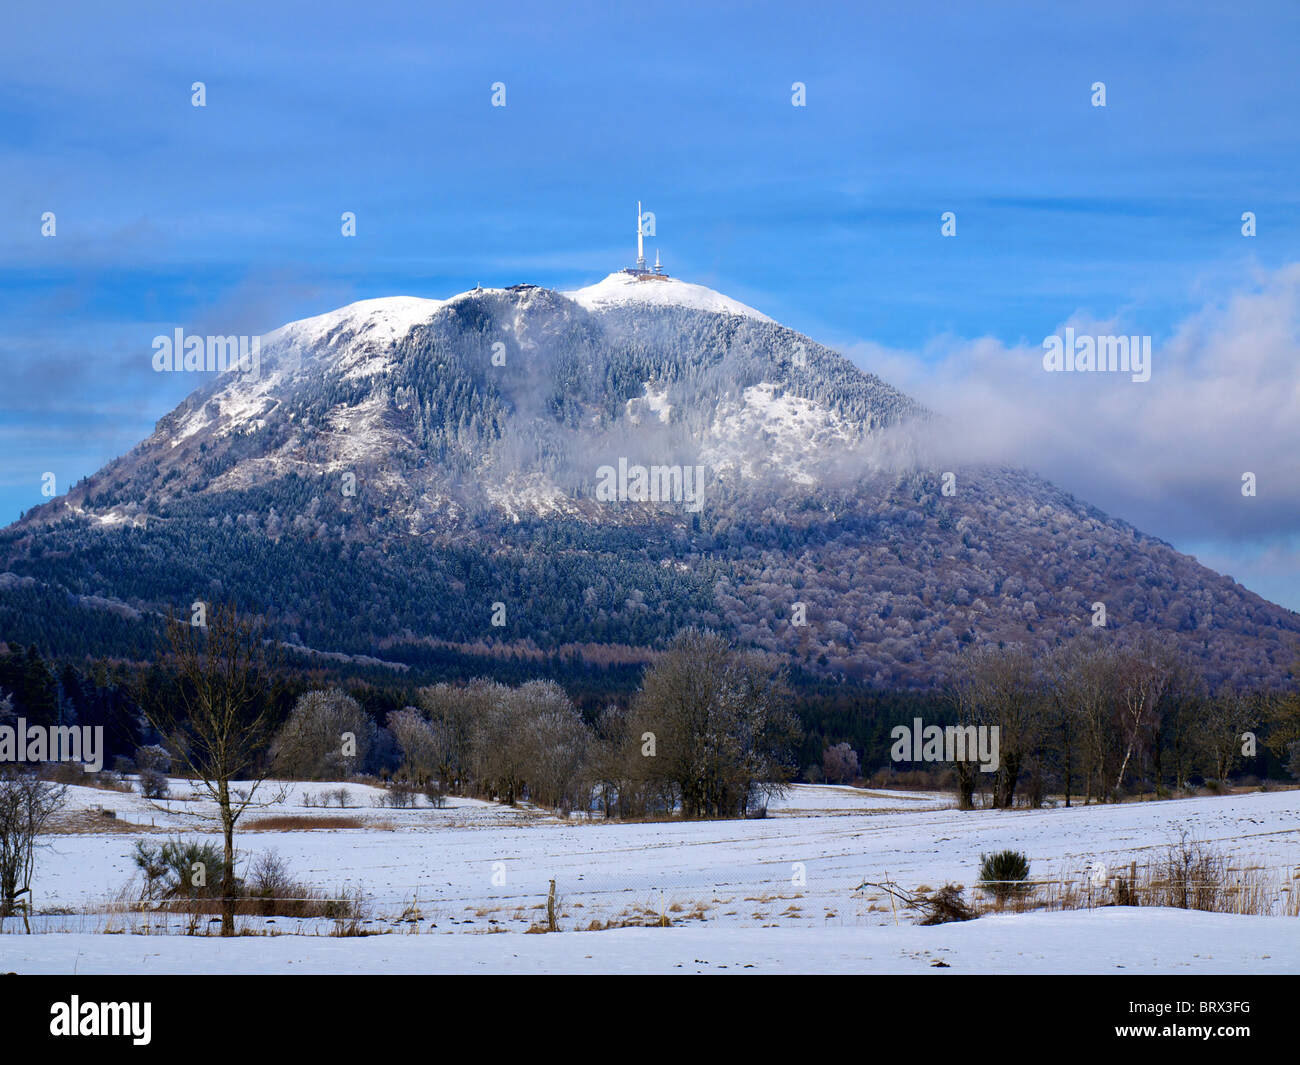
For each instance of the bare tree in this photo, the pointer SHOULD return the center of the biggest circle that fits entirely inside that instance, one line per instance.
(998, 687)
(500, 744)
(221, 720)
(963, 695)
(1081, 690)
(452, 713)
(680, 708)
(767, 732)
(839, 764)
(1180, 726)
(1177, 714)
(1228, 715)
(326, 737)
(606, 766)
(1058, 719)
(1143, 676)
(1282, 712)
(722, 735)
(555, 743)
(416, 740)
(26, 804)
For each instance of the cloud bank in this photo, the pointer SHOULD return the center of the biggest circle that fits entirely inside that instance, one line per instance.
(1169, 454)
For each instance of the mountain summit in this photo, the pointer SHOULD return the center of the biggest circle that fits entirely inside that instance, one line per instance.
(610, 464)
(624, 288)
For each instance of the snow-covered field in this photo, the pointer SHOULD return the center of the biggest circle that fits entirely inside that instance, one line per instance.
(778, 894)
(1096, 941)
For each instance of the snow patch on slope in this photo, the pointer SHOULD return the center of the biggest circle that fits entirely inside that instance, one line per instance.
(377, 322)
(528, 493)
(359, 338)
(622, 289)
(654, 402)
(130, 514)
(766, 432)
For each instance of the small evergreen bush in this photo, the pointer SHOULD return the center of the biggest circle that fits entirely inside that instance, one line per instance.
(1004, 875)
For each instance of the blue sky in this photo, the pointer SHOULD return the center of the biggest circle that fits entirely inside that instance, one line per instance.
(826, 217)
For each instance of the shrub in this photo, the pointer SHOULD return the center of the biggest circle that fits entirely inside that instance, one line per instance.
(170, 873)
(273, 892)
(26, 805)
(153, 784)
(1004, 874)
(1191, 877)
(943, 906)
(64, 773)
(270, 883)
(399, 796)
(152, 757)
(941, 778)
(349, 912)
(269, 891)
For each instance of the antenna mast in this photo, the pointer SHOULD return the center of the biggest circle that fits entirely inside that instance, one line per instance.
(640, 246)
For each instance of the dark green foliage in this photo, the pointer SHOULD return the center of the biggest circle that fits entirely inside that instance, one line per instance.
(348, 600)
(45, 692)
(170, 871)
(1004, 874)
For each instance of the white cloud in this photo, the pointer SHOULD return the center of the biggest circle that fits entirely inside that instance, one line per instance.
(1167, 455)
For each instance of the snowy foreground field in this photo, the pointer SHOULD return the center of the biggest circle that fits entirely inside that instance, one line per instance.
(457, 889)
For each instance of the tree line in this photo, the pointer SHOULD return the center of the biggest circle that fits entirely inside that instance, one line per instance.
(707, 734)
(1097, 719)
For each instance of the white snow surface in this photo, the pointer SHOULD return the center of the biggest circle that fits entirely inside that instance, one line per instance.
(729, 887)
(381, 321)
(650, 402)
(1117, 941)
(765, 431)
(358, 337)
(620, 289)
(531, 493)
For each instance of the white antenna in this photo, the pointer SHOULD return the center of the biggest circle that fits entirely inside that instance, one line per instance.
(640, 247)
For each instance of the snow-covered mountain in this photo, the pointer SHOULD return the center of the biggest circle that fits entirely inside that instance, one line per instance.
(517, 396)
(626, 289)
(429, 457)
